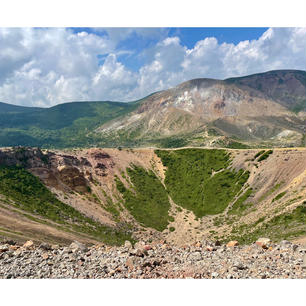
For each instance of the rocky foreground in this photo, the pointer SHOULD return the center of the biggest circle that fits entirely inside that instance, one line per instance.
(156, 260)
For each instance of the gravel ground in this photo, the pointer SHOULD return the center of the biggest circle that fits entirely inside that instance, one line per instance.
(155, 260)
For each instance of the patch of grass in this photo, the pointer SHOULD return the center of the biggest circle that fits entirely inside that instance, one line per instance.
(269, 192)
(112, 208)
(172, 229)
(259, 153)
(29, 194)
(279, 196)
(303, 140)
(147, 200)
(237, 145)
(213, 132)
(260, 220)
(265, 155)
(285, 226)
(171, 219)
(218, 221)
(179, 209)
(172, 142)
(197, 179)
(239, 206)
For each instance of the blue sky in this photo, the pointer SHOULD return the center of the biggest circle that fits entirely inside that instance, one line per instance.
(47, 66)
(188, 37)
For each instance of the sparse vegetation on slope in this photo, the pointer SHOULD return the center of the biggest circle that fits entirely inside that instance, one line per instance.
(147, 199)
(239, 205)
(198, 179)
(29, 194)
(284, 226)
(279, 196)
(269, 192)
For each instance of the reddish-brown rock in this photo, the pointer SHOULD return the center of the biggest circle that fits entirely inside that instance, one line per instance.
(232, 243)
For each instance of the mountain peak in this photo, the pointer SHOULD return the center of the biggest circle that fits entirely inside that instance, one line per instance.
(260, 109)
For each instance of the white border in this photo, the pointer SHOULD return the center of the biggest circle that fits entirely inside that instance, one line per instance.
(153, 292)
(154, 13)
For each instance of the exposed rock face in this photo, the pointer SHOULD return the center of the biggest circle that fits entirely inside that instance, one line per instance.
(23, 156)
(73, 178)
(287, 87)
(246, 108)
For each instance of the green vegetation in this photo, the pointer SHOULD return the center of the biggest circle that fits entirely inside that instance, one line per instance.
(147, 199)
(171, 219)
(29, 194)
(61, 126)
(279, 196)
(285, 226)
(239, 206)
(213, 132)
(303, 140)
(299, 106)
(172, 142)
(111, 207)
(231, 144)
(265, 155)
(172, 229)
(259, 153)
(218, 221)
(236, 145)
(198, 179)
(269, 192)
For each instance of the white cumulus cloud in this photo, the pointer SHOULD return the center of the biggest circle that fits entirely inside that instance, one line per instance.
(44, 67)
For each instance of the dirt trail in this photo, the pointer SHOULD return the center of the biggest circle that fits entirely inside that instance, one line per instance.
(21, 228)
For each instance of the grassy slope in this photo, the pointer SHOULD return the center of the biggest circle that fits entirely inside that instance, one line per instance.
(64, 125)
(284, 226)
(192, 184)
(147, 199)
(29, 194)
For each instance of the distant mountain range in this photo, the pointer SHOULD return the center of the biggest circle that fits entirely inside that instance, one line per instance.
(266, 109)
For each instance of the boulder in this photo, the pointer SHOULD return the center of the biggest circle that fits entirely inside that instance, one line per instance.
(10, 242)
(285, 244)
(78, 246)
(45, 256)
(14, 247)
(232, 243)
(4, 248)
(28, 244)
(128, 244)
(217, 243)
(198, 244)
(139, 245)
(263, 242)
(45, 246)
(129, 263)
